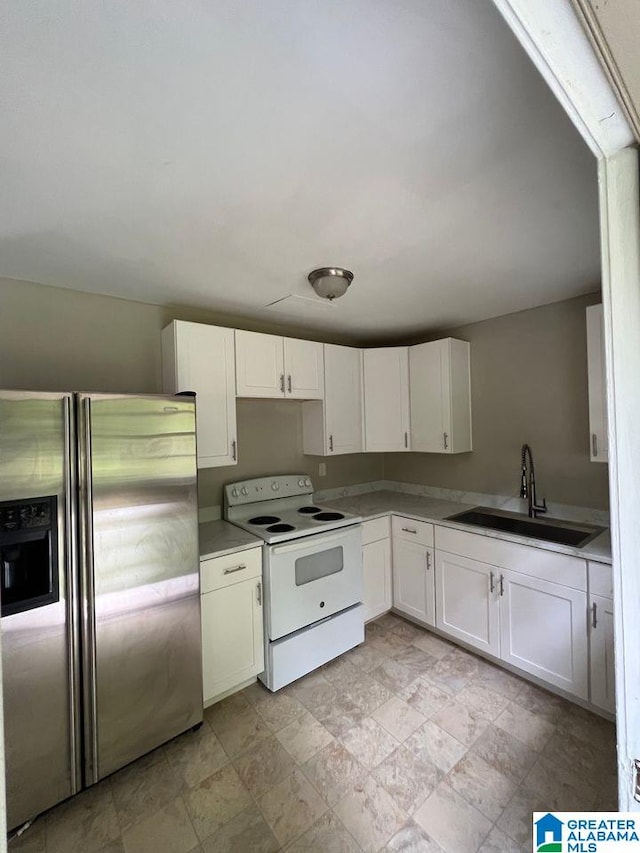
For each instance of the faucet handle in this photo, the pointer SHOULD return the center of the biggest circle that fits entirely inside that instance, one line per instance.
(541, 507)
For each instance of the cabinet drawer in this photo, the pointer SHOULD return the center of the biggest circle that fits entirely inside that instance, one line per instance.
(527, 559)
(377, 528)
(232, 568)
(600, 579)
(411, 530)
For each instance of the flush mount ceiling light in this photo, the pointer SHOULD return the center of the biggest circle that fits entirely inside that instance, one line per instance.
(330, 282)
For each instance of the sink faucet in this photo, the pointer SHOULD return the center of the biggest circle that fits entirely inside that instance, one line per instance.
(528, 484)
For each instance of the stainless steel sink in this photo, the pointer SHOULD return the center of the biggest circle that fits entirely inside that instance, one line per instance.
(551, 530)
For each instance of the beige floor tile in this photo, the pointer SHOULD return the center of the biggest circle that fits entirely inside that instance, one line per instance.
(279, 709)
(340, 672)
(371, 630)
(407, 778)
(304, 737)
(247, 832)
(416, 661)
(486, 702)
(589, 727)
(398, 718)
(541, 702)
(87, 822)
(393, 675)
(455, 824)
(433, 745)
(365, 657)
(423, 695)
(390, 644)
(564, 790)
(498, 842)
(367, 694)
(409, 630)
(291, 807)
(143, 787)
(368, 742)
(370, 815)
(453, 671)
(216, 800)
(432, 645)
(499, 680)
(530, 728)
(412, 839)
(465, 724)
(517, 819)
(390, 622)
(32, 840)
(169, 829)
(340, 716)
(118, 847)
(482, 785)
(507, 754)
(333, 771)
(327, 835)
(237, 725)
(195, 755)
(574, 754)
(255, 693)
(312, 689)
(264, 765)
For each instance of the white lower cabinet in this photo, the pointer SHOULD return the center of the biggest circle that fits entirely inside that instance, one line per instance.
(376, 567)
(602, 673)
(232, 625)
(413, 569)
(466, 602)
(543, 631)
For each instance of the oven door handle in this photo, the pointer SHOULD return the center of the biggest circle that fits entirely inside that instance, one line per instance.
(312, 542)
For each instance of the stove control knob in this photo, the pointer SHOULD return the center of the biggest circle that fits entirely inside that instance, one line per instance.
(307, 483)
(244, 490)
(234, 493)
(275, 486)
(301, 483)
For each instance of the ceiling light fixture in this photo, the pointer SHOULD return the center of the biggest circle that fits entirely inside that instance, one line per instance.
(330, 282)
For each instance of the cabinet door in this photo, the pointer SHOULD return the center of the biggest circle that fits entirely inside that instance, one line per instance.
(467, 601)
(304, 369)
(386, 399)
(200, 358)
(597, 385)
(343, 399)
(440, 397)
(259, 365)
(232, 636)
(543, 630)
(376, 578)
(413, 581)
(602, 665)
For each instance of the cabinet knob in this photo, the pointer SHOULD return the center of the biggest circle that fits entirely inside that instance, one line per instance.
(594, 444)
(331, 443)
(282, 382)
(289, 384)
(446, 441)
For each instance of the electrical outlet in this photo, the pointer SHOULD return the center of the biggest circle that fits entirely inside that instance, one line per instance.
(322, 469)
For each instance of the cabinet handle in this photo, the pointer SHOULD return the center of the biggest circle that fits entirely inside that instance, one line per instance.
(289, 383)
(446, 441)
(234, 569)
(501, 584)
(406, 439)
(282, 382)
(594, 444)
(409, 530)
(594, 615)
(492, 582)
(428, 561)
(234, 451)
(331, 443)
(259, 593)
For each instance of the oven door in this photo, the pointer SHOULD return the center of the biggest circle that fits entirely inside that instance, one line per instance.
(311, 578)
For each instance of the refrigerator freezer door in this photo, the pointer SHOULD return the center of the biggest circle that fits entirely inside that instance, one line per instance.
(141, 602)
(39, 671)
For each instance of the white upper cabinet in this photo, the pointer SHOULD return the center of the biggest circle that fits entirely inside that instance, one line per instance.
(597, 385)
(271, 366)
(334, 426)
(200, 358)
(386, 399)
(440, 388)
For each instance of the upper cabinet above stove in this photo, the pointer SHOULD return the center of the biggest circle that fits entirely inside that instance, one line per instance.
(275, 367)
(197, 357)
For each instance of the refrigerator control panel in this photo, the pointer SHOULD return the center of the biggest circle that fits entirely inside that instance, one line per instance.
(25, 515)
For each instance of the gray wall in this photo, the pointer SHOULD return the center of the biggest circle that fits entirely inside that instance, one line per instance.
(529, 383)
(57, 339)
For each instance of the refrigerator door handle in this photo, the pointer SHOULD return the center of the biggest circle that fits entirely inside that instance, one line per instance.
(72, 593)
(88, 601)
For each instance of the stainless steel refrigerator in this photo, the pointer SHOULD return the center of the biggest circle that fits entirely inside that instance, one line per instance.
(101, 649)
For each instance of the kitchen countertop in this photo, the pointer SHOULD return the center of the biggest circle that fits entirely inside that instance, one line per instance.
(218, 538)
(375, 504)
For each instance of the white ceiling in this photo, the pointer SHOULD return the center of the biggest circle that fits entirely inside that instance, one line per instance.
(212, 152)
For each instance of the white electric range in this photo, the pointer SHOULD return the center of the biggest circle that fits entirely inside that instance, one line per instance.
(312, 573)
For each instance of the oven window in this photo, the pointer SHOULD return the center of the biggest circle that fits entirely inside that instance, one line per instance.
(316, 566)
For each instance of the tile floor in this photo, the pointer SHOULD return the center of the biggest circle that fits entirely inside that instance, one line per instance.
(406, 743)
